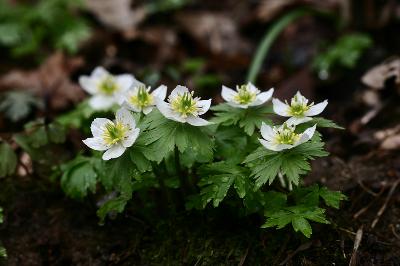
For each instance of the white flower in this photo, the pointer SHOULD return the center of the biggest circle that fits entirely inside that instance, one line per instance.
(182, 107)
(245, 96)
(298, 110)
(139, 98)
(283, 137)
(105, 87)
(113, 136)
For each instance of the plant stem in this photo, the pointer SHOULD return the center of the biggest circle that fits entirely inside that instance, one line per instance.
(182, 179)
(268, 40)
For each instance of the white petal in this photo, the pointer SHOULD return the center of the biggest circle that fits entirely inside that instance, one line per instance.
(280, 108)
(136, 84)
(164, 108)
(88, 84)
(236, 105)
(99, 72)
(262, 97)
(131, 138)
(197, 121)
(114, 152)
(147, 110)
(306, 136)
(125, 117)
(228, 94)
(297, 120)
(98, 125)
(204, 106)
(179, 90)
(267, 132)
(131, 107)
(96, 143)
(101, 102)
(316, 109)
(124, 81)
(252, 88)
(274, 147)
(160, 92)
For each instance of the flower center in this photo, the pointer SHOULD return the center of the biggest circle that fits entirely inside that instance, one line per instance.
(245, 96)
(286, 135)
(114, 132)
(108, 85)
(142, 99)
(185, 104)
(298, 106)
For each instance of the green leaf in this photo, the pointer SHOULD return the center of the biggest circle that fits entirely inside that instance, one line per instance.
(321, 122)
(17, 105)
(298, 216)
(309, 196)
(216, 180)
(248, 119)
(8, 162)
(302, 225)
(265, 165)
(1, 215)
(162, 135)
(77, 117)
(79, 176)
(231, 141)
(345, 53)
(118, 203)
(3, 252)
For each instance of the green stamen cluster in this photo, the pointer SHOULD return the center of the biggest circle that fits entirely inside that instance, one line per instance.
(245, 96)
(286, 135)
(184, 104)
(298, 107)
(108, 85)
(143, 98)
(114, 133)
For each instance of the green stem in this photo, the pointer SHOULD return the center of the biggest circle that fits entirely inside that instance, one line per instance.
(182, 178)
(268, 40)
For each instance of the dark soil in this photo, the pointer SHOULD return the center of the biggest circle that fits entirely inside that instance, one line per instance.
(43, 227)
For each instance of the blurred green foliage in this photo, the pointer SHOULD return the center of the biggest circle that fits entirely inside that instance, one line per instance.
(17, 105)
(344, 53)
(53, 24)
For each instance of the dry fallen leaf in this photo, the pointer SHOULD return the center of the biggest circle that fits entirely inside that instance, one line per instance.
(50, 81)
(216, 31)
(378, 75)
(117, 14)
(389, 138)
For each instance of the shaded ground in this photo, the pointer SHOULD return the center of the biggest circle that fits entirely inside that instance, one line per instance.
(43, 227)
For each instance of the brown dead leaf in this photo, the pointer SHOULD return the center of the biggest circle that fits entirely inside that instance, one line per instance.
(378, 75)
(117, 14)
(216, 31)
(51, 81)
(389, 138)
(270, 9)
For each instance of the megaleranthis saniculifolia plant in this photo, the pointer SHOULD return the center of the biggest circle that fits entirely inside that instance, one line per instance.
(239, 156)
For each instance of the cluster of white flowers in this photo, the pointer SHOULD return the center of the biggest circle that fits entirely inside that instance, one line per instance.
(114, 137)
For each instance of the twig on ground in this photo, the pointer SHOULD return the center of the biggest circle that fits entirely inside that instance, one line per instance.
(243, 259)
(302, 247)
(362, 210)
(384, 206)
(357, 242)
(394, 231)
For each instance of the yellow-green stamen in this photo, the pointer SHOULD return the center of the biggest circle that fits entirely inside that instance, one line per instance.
(286, 135)
(184, 104)
(142, 99)
(298, 107)
(245, 96)
(108, 85)
(114, 133)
